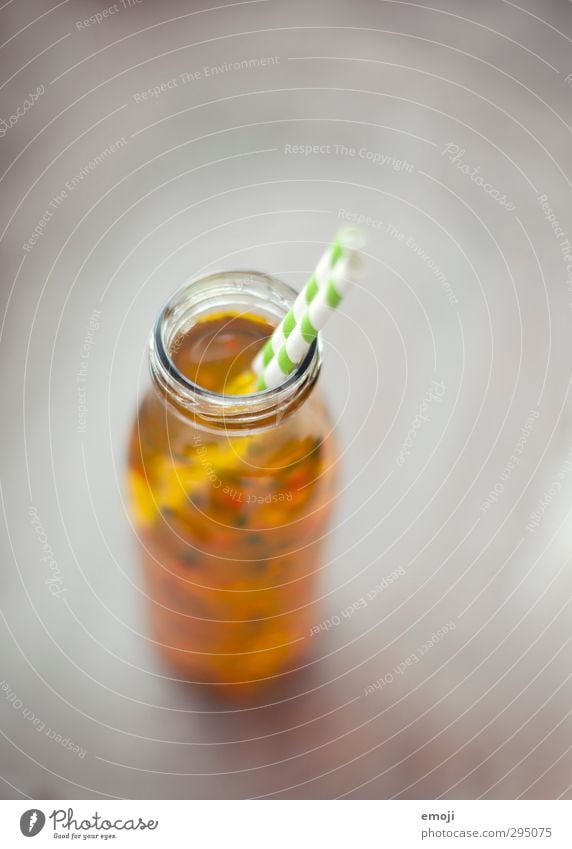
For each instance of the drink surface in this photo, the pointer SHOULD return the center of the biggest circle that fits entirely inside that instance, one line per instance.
(217, 353)
(230, 526)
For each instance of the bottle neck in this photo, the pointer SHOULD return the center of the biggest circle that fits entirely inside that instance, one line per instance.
(241, 292)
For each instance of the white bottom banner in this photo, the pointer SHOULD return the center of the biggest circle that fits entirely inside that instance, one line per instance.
(283, 824)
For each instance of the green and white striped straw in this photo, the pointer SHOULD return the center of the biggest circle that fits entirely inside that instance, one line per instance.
(317, 301)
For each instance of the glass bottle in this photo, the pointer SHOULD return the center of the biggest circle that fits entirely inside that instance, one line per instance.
(231, 497)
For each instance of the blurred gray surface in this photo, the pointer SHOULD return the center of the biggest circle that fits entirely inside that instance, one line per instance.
(459, 289)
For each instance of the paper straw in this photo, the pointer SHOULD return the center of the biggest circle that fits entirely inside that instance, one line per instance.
(317, 301)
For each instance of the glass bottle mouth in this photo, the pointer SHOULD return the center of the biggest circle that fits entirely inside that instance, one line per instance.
(240, 291)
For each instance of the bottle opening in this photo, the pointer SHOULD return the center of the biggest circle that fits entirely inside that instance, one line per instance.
(205, 340)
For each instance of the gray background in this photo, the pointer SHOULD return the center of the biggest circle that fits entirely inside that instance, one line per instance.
(205, 182)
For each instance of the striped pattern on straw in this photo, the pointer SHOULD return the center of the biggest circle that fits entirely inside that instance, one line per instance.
(319, 298)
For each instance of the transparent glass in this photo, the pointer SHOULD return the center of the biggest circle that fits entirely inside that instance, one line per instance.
(231, 498)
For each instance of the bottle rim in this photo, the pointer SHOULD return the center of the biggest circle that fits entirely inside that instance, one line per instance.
(253, 291)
